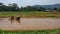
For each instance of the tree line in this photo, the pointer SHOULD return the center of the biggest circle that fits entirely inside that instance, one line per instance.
(15, 7)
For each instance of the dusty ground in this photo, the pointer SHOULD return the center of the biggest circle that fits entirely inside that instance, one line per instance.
(30, 24)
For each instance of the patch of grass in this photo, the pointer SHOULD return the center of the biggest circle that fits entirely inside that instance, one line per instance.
(55, 31)
(31, 14)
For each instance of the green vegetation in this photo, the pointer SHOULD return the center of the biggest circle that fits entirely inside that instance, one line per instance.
(15, 7)
(55, 31)
(30, 14)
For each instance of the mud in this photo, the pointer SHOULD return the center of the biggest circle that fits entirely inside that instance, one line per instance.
(30, 24)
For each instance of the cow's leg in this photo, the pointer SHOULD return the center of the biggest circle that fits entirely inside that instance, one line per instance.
(11, 21)
(18, 21)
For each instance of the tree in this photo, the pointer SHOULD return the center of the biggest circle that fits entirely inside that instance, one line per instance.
(55, 9)
(58, 9)
(13, 7)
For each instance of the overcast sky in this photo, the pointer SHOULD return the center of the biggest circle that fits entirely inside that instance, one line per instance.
(30, 2)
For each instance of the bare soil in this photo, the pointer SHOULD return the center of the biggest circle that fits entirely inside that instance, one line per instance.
(30, 24)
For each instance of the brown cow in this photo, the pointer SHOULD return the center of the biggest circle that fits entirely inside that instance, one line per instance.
(12, 19)
(18, 19)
